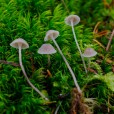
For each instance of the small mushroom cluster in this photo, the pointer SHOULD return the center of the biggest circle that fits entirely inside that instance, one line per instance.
(48, 49)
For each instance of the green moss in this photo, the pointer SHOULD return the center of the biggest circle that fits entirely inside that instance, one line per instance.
(31, 19)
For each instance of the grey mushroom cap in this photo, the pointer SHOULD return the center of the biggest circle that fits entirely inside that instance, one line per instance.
(89, 52)
(46, 49)
(72, 18)
(51, 34)
(19, 42)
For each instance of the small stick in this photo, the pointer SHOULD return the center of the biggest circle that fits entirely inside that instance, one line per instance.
(106, 4)
(109, 42)
(101, 45)
(92, 70)
(49, 73)
(112, 68)
(96, 26)
(10, 63)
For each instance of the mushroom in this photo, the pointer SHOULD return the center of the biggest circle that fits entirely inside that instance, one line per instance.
(52, 35)
(22, 44)
(47, 49)
(73, 20)
(88, 53)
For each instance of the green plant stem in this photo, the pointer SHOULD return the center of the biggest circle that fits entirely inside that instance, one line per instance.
(78, 47)
(23, 70)
(72, 73)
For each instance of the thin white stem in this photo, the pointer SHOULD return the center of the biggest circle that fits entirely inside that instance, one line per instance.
(56, 111)
(23, 70)
(89, 62)
(49, 62)
(72, 73)
(78, 47)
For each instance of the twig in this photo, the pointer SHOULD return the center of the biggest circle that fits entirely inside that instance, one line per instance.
(112, 68)
(109, 42)
(10, 63)
(96, 26)
(106, 4)
(112, 3)
(101, 45)
(49, 73)
(92, 70)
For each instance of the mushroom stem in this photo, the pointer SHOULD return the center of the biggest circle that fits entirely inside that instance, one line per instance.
(89, 61)
(56, 111)
(78, 46)
(72, 73)
(49, 62)
(23, 70)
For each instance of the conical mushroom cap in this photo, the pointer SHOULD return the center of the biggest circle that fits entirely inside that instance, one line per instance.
(18, 42)
(72, 18)
(46, 49)
(89, 52)
(51, 34)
